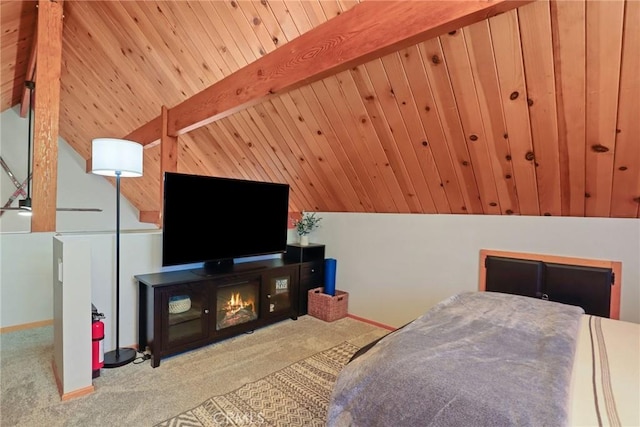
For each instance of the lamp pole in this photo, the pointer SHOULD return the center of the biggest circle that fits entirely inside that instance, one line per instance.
(118, 173)
(119, 356)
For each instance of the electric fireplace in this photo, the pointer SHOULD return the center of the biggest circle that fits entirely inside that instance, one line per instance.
(237, 304)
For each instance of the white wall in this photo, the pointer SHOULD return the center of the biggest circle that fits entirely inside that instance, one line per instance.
(26, 285)
(397, 266)
(26, 258)
(76, 188)
(26, 289)
(394, 266)
(140, 253)
(13, 150)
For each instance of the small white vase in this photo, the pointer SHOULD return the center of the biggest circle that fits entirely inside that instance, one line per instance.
(304, 240)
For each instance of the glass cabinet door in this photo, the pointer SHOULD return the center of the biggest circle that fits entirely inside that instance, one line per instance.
(185, 313)
(280, 290)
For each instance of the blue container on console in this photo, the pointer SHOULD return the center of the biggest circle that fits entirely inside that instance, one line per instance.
(330, 276)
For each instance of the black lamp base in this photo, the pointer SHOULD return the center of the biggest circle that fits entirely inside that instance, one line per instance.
(124, 356)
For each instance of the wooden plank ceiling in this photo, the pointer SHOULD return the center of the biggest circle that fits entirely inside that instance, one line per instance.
(534, 111)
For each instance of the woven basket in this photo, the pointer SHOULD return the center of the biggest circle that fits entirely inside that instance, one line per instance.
(179, 304)
(327, 307)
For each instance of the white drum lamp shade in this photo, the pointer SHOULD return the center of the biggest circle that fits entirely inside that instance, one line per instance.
(111, 155)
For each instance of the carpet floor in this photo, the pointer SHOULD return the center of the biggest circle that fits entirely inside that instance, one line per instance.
(297, 395)
(139, 395)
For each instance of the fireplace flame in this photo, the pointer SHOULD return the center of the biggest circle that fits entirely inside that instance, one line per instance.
(236, 303)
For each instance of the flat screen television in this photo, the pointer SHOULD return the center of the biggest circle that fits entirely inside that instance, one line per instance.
(216, 220)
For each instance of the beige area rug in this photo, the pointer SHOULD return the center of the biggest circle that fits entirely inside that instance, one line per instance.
(297, 395)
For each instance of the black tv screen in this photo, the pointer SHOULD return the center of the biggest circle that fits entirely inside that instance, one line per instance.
(212, 219)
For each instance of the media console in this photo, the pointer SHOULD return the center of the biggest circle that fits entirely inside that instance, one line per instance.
(185, 309)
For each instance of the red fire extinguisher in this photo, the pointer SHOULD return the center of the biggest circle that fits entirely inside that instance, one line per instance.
(97, 338)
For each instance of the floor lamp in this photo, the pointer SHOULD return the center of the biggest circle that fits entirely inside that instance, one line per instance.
(119, 158)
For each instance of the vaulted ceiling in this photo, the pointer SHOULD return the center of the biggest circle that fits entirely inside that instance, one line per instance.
(534, 111)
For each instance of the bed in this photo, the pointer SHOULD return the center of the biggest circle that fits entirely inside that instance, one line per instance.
(493, 359)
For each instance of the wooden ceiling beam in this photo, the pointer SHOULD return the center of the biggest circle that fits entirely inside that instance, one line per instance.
(47, 115)
(168, 158)
(148, 134)
(367, 31)
(168, 163)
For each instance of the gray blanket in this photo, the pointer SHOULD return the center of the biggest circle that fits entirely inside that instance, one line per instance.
(475, 359)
